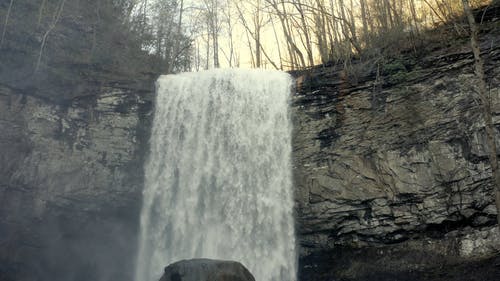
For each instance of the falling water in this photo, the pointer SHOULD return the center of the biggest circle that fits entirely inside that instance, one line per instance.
(218, 179)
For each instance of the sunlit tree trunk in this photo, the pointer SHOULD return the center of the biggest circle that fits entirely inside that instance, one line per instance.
(229, 21)
(215, 32)
(305, 31)
(352, 28)
(364, 21)
(207, 64)
(414, 15)
(177, 40)
(277, 44)
(257, 22)
(294, 50)
(320, 31)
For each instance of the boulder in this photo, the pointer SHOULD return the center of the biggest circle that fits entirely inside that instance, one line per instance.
(206, 270)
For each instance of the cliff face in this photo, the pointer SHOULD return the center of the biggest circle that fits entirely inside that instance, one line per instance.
(392, 172)
(75, 107)
(70, 184)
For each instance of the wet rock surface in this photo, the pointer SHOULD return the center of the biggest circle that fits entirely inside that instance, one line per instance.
(70, 184)
(395, 176)
(75, 109)
(206, 270)
(391, 170)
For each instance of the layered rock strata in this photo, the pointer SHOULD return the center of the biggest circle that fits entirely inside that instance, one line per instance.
(392, 171)
(70, 184)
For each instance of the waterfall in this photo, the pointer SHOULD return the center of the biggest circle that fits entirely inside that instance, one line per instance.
(218, 181)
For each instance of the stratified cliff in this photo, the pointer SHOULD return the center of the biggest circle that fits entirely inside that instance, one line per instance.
(70, 184)
(75, 105)
(392, 174)
(390, 160)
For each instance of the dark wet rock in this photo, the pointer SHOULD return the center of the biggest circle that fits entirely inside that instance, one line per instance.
(73, 136)
(206, 270)
(392, 175)
(395, 176)
(70, 184)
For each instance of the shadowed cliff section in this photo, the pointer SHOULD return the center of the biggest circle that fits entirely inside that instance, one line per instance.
(73, 142)
(392, 177)
(70, 185)
(391, 167)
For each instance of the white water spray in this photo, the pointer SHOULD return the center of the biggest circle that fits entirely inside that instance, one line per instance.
(218, 179)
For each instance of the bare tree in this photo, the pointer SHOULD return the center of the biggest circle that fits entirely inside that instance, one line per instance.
(40, 13)
(320, 19)
(55, 20)
(228, 19)
(486, 104)
(213, 27)
(277, 43)
(364, 20)
(253, 29)
(6, 22)
(295, 54)
(304, 27)
(176, 50)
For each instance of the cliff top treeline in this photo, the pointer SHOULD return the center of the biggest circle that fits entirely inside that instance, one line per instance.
(60, 49)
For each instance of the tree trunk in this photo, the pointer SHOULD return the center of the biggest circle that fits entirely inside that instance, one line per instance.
(294, 50)
(40, 13)
(176, 53)
(6, 22)
(486, 104)
(57, 16)
(307, 44)
(277, 44)
(258, 48)
(215, 30)
(365, 22)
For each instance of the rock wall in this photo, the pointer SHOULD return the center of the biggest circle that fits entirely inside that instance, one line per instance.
(70, 184)
(392, 172)
(75, 109)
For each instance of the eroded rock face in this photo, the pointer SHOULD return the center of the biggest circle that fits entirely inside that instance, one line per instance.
(206, 270)
(399, 167)
(70, 184)
(392, 176)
